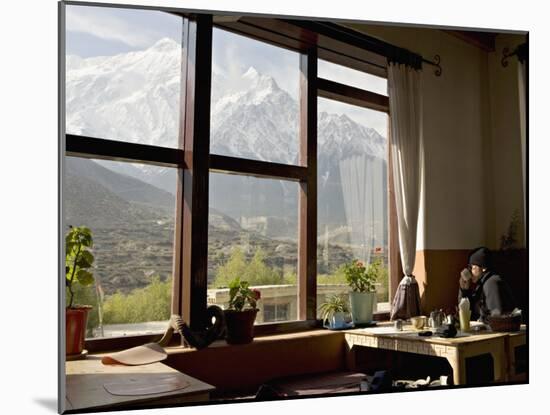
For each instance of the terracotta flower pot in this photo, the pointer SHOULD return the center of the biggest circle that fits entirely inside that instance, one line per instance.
(240, 326)
(76, 320)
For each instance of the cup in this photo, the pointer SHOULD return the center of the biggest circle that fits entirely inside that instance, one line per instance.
(418, 322)
(464, 317)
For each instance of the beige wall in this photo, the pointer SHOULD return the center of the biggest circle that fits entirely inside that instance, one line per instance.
(504, 141)
(471, 136)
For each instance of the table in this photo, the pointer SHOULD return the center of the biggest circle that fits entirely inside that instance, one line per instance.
(456, 350)
(516, 372)
(85, 380)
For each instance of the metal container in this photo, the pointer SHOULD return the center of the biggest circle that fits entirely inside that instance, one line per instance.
(436, 319)
(398, 325)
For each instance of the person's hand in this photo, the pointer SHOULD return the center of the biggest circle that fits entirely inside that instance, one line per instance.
(464, 284)
(464, 280)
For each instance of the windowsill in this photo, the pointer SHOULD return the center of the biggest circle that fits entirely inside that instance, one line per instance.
(259, 340)
(271, 331)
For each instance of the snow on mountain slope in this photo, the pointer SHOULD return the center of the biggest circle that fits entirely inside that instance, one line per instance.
(131, 97)
(135, 97)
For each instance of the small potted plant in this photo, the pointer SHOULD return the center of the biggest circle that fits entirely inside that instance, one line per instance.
(361, 280)
(242, 311)
(334, 311)
(78, 262)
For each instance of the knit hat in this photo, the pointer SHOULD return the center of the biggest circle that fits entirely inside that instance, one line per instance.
(481, 257)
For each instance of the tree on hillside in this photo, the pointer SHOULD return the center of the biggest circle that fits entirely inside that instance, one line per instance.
(151, 303)
(255, 271)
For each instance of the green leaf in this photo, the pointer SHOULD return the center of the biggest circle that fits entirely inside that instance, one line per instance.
(85, 259)
(85, 236)
(233, 292)
(69, 246)
(69, 237)
(84, 277)
(235, 283)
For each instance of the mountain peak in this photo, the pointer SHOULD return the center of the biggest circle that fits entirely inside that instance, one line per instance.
(251, 73)
(165, 44)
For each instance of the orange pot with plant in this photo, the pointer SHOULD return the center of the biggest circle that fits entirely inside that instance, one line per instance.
(240, 316)
(78, 262)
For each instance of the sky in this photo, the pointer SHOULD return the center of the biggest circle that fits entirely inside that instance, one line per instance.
(105, 31)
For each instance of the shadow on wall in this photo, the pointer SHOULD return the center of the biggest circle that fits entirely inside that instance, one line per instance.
(511, 264)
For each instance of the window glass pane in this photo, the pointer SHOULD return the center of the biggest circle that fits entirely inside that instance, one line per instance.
(253, 232)
(352, 77)
(352, 194)
(255, 87)
(132, 224)
(123, 74)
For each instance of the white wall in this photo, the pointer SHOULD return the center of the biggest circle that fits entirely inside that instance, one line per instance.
(467, 197)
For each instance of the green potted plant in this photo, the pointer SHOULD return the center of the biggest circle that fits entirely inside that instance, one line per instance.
(78, 262)
(240, 316)
(333, 311)
(361, 280)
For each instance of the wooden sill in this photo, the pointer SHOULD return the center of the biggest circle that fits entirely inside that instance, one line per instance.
(297, 328)
(259, 340)
(121, 343)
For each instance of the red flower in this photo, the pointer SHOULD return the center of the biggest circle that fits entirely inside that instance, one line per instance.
(257, 294)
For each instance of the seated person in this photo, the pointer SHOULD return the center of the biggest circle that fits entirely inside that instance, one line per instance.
(488, 293)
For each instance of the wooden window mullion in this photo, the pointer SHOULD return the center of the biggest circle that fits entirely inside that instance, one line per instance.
(177, 273)
(307, 245)
(195, 176)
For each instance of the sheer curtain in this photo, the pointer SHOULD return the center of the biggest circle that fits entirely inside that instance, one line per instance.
(363, 181)
(407, 160)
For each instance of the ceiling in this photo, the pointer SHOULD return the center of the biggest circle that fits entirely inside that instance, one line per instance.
(482, 40)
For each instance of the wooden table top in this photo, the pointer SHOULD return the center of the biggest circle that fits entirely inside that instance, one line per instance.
(386, 330)
(86, 379)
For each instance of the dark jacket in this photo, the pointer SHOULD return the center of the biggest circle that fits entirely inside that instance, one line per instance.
(491, 295)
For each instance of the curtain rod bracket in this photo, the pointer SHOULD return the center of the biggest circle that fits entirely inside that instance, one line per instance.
(521, 51)
(437, 60)
(436, 63)
(505, 55)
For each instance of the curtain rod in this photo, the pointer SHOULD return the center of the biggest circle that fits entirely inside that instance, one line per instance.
(366, 42)
(362, 41)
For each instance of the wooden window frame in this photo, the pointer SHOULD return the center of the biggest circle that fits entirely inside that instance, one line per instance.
(194, 162)
(350, 95)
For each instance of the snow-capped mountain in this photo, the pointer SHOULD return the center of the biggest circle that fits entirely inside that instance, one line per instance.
(131, 97)
(135, 97)
(258, 122)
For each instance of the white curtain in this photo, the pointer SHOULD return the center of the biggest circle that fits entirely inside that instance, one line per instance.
(522, 81)
(363, 181)
(407, 155)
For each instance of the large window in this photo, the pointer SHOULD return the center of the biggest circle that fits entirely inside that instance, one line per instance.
(123, 82)
(255, 88)
(352, 194)
(253, 222)
(253, 235)
(132, 222)
(197, 155)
